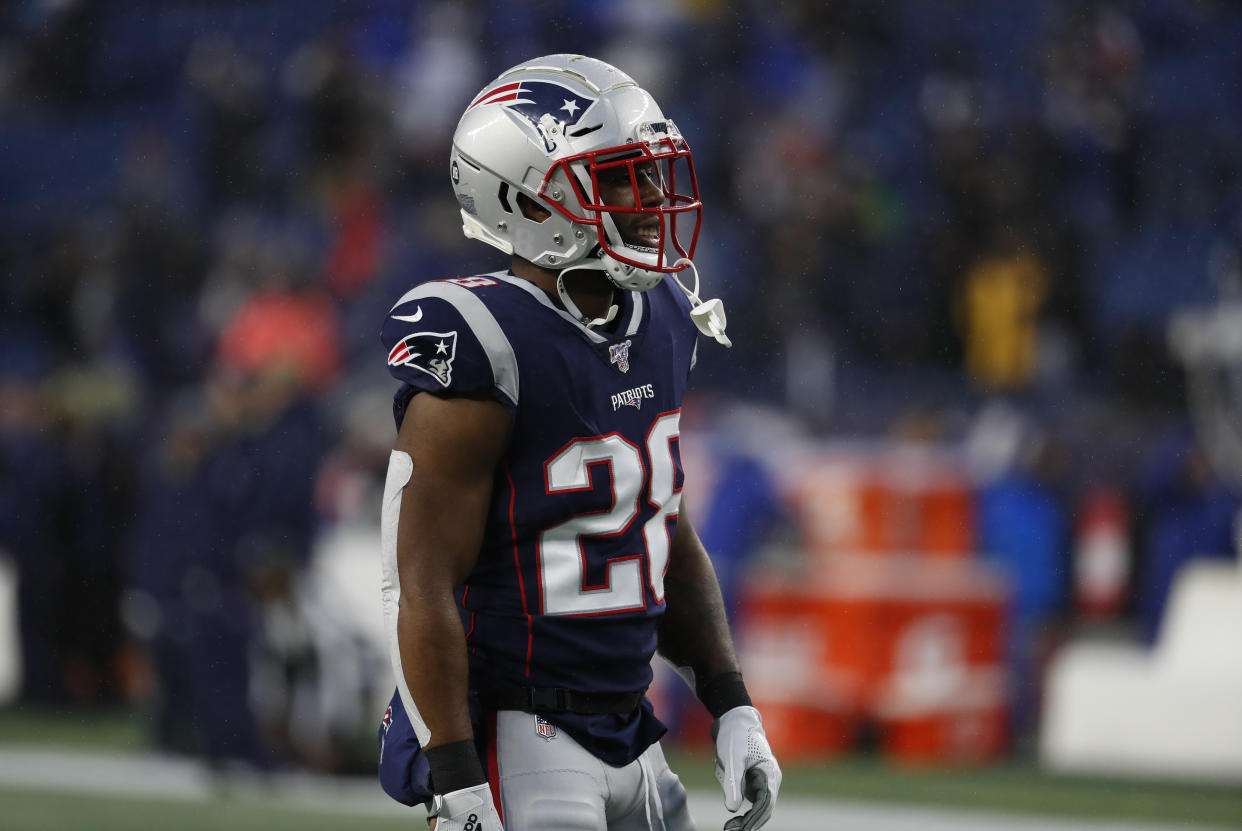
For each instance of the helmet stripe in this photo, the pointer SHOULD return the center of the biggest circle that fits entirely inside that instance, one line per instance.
(502, 93)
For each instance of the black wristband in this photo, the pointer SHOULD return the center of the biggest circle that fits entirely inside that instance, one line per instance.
(454, 766)
(724, 692)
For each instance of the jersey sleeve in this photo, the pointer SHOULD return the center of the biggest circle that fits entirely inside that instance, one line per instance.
(441, 338)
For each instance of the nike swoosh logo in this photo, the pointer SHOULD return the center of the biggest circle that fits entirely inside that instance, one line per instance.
(414, 318)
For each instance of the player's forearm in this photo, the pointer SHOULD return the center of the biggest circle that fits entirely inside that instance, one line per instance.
(695, 629)
(434, 663)
(694, 634)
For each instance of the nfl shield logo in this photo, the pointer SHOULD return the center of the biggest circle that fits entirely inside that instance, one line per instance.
(544, 729)
(619, 353)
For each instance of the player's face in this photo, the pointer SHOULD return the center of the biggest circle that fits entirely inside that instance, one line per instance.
(617, 189)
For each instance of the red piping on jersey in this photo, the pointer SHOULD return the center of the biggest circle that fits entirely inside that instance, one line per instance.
(517, 565)
(493, 764)
(464, 595)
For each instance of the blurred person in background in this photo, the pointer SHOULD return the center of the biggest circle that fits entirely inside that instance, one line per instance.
(1024, 527)
(225, 526)
(33, 468)
(67, 492)
(1000, 300)
(1190, 513)
(178, 605)
(227, 521)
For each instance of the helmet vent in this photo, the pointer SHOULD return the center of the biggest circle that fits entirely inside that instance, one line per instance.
(582, 131)
(504, 197)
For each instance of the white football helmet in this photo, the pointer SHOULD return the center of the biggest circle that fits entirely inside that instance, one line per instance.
(548, 129)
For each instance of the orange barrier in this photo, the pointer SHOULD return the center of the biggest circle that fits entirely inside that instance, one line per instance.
(913, 644)
(966, 736)
(810, 705)
(879, 502)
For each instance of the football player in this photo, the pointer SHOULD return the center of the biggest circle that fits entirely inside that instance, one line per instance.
(536, 550)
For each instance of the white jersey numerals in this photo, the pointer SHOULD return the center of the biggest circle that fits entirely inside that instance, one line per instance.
(666, 500)
(562, 566)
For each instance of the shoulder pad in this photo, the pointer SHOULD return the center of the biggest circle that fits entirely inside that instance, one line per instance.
(442, 337)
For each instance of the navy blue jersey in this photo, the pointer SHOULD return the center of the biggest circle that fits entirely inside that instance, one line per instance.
(568, 588)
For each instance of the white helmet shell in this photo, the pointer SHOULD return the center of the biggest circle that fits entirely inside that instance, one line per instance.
(543, 130)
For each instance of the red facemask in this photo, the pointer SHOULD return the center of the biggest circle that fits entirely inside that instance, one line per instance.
(668, 164)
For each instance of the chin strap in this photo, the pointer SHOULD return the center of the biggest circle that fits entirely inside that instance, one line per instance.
(708, 316)
(572, 307)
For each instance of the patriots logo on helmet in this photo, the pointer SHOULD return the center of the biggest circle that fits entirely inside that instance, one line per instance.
(534, 99)
(430, 352)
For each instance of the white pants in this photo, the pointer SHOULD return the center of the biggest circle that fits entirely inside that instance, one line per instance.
(553, 783)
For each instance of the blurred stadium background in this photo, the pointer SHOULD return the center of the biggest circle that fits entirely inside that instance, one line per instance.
(971, 473)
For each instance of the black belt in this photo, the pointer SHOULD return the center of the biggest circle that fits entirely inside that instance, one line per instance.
(556, 700)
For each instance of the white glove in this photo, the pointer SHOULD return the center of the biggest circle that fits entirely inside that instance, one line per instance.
(746, 767)
(470, 809)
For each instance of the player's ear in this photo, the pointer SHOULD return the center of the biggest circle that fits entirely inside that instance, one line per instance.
(531, 209)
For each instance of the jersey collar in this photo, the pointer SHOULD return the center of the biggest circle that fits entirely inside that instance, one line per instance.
(631, 315)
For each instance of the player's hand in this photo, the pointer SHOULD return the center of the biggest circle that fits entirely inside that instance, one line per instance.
(745, 767)
(470, 809)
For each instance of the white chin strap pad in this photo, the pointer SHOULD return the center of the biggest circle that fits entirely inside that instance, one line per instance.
(624, 276)
(629, 277)
(708, 316)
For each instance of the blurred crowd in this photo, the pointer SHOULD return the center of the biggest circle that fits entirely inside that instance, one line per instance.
(913, 210)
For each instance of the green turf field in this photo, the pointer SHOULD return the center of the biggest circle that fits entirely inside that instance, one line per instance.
(1009, 786)
(37, 811)
(1012, 787)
